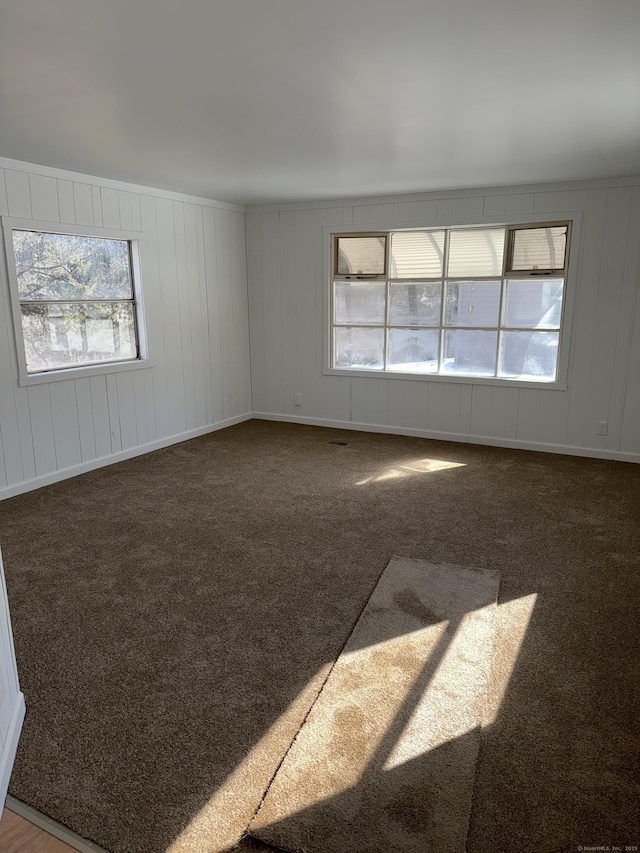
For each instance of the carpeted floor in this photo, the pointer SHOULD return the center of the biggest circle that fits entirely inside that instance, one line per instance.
(386, 759)
(175, 616)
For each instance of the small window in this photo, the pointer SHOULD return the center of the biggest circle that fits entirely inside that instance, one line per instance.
(537, 250)
(76, 299)
(417, 254)
(361, 256)
(476, 252)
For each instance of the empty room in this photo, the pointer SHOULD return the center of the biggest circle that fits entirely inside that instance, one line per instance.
(319, 426)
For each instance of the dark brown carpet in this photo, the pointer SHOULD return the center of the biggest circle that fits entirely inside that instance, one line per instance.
(169, 610)
(386, 759)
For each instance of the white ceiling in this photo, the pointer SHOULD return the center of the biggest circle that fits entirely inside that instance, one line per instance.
(283, 100)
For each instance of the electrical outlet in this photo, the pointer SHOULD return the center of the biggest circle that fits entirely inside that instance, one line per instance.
(297, 399)
(602, 427)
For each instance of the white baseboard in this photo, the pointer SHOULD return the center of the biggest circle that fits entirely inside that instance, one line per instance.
(516, 444)
(139, 450)
(10, 746)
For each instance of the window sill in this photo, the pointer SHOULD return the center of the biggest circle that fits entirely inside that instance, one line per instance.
(84, 372)
(463, 380)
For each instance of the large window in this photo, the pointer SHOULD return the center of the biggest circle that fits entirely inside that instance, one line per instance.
(74, 299)
(478, 302)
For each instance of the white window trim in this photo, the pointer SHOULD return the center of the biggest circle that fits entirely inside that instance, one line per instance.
(133, 237)
(570, 278)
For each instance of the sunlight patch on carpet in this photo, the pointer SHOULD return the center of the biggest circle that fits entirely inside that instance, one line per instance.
(386, 758)
(409, 469)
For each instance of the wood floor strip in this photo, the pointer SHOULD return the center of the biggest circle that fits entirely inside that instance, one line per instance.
(65, 839)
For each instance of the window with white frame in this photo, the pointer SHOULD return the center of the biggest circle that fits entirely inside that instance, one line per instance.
(475, 302)
(74, 299)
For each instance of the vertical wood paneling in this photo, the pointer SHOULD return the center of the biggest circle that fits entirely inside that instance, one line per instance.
(627, 399)
(42, 429)
(225, 309)
(127, 410)
(110, 207)
(306, 235)
(64, 414)
(545, 202)
(4, 204)
(416, 404)
(44, 198)
(100, 409)
(85, 419)
(96, 204)
(280, 313)
(115, 425)
(207, 361)
(528, 414)
(605, 342)
(83, 203)
(257, 331)
(451, 408)
(358, 401)
(18, 195)
(289, 337)
(584, 320)
(136, 221)
(494, 206)
(9, 427)
(66, 203)
(434, 410)
(238, 263)
(196, 318)
(143, 406)
(185, 316)
(171, 316)
(213, 314)
(481, 403)
(21, 397)
(126, 217)
(153, 314)
(498, 412)
(397, 403)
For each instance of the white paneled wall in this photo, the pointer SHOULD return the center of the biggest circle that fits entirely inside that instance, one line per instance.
(193, 261)
(286, 306)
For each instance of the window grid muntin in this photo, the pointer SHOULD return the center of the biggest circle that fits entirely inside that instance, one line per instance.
(507, 274)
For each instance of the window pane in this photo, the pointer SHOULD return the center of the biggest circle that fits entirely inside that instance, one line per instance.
(539, 248)
(60, 266)
(471, 303)
(417, 254)
(470, 352)
(66, 335)
(531, 355)
(413, 350)
(415, 304)
(476, 252)
(360, 348)
(534, 304)
(359, 302)
(361, 255)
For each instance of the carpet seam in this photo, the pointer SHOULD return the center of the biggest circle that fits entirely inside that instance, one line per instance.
(317, 696)
(474, 788)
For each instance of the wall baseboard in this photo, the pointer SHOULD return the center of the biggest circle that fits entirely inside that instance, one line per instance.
(516, 444)
(8, 754)
(139, 450)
